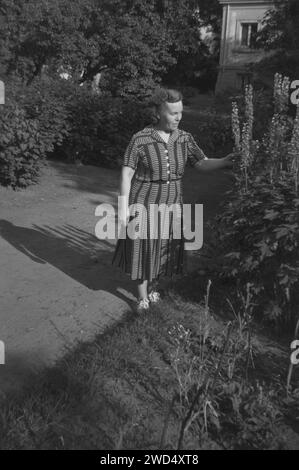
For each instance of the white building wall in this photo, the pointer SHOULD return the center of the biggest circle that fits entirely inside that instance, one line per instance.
(233, 56)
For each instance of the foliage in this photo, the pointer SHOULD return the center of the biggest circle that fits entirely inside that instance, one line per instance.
(258, 235)
(214, 396)
(284, 62)
(101, 130)
(42, 116)
(45, 100)
(258, 229)
(244, 136)
(130, 43)
(198, 66)
(75, 123)
(37, 35)
(279, 36)
(22, 148)
(139, 386)
(214, 132)
(293, 152)
(280, 26)
(277, 143)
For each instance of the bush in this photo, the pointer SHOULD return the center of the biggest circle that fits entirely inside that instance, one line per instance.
(21, 147)
(215, 133)
(45, 100)
(258, 233)
(77, 123)
(66, 121)
(258, 230)
(34, 121)
(284, 62)
(101, 127)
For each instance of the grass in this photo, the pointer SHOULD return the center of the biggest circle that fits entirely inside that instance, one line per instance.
(174, 378)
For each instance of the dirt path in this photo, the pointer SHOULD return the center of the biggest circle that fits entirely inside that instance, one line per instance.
(57, 286)
(53, 292)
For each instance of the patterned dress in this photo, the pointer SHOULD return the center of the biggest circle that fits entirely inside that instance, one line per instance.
(159, 168)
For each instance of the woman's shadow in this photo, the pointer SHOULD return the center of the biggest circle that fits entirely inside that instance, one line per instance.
(75, 252)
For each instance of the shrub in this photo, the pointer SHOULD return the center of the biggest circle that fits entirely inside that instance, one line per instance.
(45, 100)
(77, 123)
(214, 397)
(21, 147)
(101, 127)
(259, 237)
(215, 132)
(66, 121)
(258, 230)
(34, 121)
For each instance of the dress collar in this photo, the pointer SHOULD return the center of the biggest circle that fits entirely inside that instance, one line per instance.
(173, 135)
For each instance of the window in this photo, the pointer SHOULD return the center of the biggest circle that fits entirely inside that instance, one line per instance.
(248, 34)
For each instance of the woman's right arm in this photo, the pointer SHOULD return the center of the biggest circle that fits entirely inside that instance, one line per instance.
(125, 186)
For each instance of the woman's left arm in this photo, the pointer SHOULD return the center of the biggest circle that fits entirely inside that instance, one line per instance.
(211, 164)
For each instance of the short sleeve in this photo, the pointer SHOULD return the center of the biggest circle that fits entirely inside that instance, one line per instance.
(195, 154)
(131, 154)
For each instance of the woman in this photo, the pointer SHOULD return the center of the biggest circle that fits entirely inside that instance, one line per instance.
(152, 172)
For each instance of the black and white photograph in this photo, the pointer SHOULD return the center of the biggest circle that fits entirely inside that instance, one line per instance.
(149, 228)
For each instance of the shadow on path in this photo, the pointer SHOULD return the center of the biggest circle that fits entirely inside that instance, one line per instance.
(75, 252)
(87, 178)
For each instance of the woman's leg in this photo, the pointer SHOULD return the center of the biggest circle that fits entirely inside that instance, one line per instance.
(142, 289)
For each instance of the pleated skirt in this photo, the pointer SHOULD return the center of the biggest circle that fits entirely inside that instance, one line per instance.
(159, 251)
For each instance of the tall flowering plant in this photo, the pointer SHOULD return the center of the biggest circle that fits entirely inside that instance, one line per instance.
(280, 143)
(243, 136)
(293, 151)
(258, 231)
(281, 94)
(275, 140)
(236, 126)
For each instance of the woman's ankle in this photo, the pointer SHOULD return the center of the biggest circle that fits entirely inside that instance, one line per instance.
(142, 290)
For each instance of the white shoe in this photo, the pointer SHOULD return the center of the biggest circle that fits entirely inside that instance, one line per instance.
(142, 305)
(154, 297)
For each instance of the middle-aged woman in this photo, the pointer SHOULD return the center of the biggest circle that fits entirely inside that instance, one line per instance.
(152, 172)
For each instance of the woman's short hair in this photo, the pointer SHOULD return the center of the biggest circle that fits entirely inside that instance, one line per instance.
(165, 95)
(161, 96)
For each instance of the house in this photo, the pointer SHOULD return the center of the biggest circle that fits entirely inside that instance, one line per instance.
(242, 19)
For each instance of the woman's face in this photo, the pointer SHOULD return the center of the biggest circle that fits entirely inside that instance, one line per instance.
(169, 116)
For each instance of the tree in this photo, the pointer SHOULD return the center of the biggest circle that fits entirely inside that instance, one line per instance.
(133, 42)
(280, 35)
(197, 63)
(281, 26)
